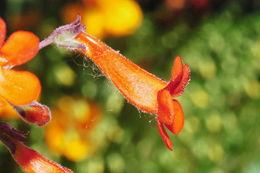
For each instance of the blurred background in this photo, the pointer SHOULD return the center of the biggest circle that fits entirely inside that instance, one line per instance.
(95, 130)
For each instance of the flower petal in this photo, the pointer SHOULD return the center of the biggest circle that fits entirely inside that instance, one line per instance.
(19, 48)
(170, 112)
(33, 162)
(180, 78)
(19, 87)
(177, 69)
(165, 106)
(2, 31)
(34, 113)
(179, 89)
(164, 135)
(178, 120)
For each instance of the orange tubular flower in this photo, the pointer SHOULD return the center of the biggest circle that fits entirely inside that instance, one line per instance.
(144, 90)
(29, 160)
(20, 87)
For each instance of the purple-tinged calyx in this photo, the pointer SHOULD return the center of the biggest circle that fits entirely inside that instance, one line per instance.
(9, 134)
(63, 36)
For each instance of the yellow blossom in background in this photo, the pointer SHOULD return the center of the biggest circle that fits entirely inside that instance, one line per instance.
(106, 17)
(122, 17)
(70, 133)
(93, 19)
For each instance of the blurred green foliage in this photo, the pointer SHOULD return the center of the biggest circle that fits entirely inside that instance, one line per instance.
(221, 103)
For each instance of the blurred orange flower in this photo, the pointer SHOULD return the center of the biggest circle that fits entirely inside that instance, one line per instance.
(20, 88)
(72, 124)
(106, 17)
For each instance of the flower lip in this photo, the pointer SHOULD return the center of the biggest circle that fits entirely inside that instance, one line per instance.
(164, 134)
(170, 112)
